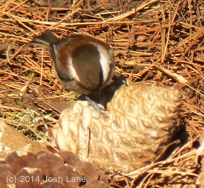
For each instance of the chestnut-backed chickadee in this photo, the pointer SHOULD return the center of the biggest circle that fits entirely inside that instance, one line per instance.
(83, 64)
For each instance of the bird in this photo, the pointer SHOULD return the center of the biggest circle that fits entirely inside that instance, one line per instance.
(83, 64)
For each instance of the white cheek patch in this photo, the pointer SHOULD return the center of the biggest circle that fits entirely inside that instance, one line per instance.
(104, 61)
(72, 72)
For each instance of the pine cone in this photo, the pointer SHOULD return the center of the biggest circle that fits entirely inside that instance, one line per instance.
(140, 121)
(46, 170)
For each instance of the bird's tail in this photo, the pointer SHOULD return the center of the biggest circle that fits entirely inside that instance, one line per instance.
(47, 39)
